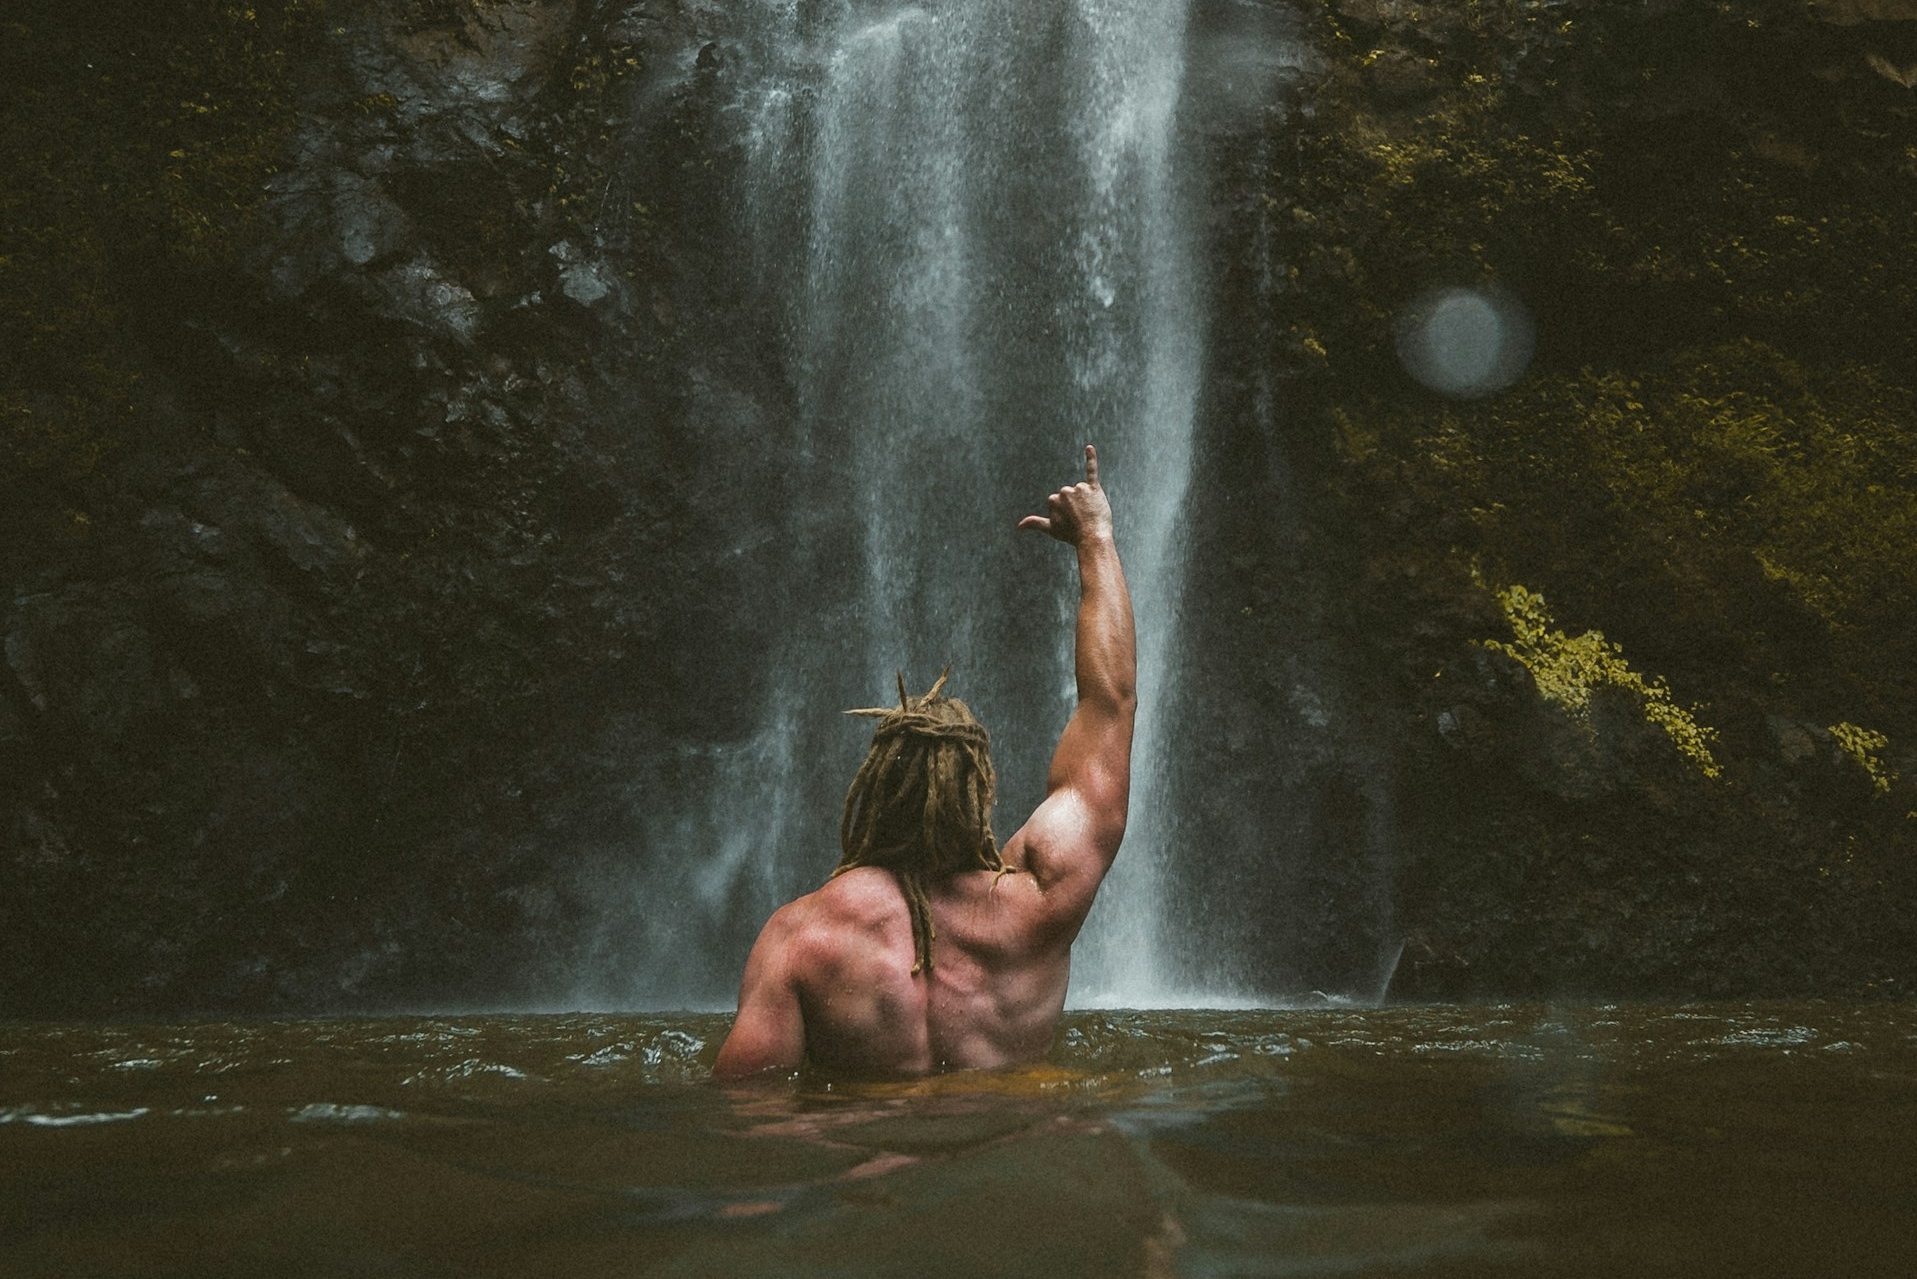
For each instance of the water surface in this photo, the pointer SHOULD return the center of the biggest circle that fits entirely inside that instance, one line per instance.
(1597, 1140)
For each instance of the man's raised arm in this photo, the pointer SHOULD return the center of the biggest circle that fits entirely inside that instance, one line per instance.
(1071, 839)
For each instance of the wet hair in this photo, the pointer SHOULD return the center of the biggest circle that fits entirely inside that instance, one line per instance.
(921, 805)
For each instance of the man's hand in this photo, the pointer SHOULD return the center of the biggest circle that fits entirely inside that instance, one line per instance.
(1079, 512)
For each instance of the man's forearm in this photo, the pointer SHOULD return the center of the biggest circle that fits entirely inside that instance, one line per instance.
(1107, 648)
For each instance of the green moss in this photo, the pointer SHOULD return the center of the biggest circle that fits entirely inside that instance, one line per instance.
(1745, 520)
(1568, 668)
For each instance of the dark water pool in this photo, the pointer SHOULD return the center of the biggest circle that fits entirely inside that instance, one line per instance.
(1762, 1139)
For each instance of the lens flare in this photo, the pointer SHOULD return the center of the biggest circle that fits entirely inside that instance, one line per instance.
(1466, 342)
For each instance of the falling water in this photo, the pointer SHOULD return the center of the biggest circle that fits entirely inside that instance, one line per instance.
(970, 224)
(963, 239)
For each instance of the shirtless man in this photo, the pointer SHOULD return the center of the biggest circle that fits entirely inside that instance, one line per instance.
(930, 949)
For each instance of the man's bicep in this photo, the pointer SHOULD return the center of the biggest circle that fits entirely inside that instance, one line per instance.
(1068, 849)
(1093, 762)
(1072, 837)
(769, 1032)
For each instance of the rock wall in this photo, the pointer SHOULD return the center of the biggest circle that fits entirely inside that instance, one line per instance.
(370, 442)
(351, 570)
(1637, 631)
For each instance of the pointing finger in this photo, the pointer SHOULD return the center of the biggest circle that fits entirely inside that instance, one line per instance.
(1091, 466)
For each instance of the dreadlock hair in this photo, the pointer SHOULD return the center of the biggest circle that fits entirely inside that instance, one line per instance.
(921, 805)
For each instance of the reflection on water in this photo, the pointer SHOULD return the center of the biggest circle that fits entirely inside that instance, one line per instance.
(1711, 1139)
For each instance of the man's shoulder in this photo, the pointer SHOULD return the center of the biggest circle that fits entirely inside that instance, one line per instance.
(863, 897)
(845, 924)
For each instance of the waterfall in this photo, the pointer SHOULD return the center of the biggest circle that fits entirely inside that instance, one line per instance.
(970, 232)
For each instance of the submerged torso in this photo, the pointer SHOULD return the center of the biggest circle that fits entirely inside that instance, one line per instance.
(991, 996)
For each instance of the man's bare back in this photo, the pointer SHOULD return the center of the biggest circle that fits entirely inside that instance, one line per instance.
(832, 976)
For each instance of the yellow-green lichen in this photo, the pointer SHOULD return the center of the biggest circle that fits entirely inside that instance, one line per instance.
(1727, 499)
(1569, 668)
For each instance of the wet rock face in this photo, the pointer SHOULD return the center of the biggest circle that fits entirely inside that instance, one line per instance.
(1573, 824)
(311, 668)
(361, 541)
